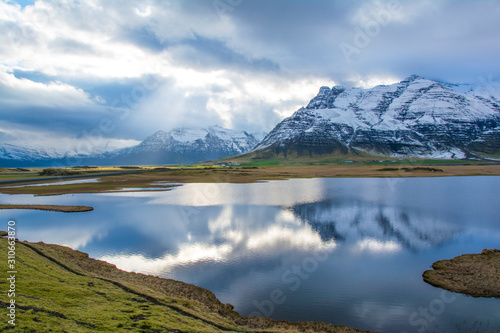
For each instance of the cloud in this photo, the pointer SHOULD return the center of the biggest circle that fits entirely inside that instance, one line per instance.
(245, 65)
(241, 101)
(14, 91)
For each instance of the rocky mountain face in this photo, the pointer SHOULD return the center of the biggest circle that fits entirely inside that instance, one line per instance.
(415, 117)
(180, 145)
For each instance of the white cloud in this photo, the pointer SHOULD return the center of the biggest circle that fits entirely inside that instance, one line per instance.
(284, 237)
(367, 82)
(23, 91)
(376, 246)
(233, 100)
(90, 27)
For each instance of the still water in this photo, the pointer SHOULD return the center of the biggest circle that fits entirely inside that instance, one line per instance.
(345, 251)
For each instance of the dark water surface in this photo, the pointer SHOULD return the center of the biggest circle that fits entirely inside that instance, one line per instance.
(345, 251)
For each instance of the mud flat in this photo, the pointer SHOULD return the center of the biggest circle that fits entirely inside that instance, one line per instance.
(476, 275)
(53, 208)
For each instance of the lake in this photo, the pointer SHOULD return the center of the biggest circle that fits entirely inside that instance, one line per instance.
(349, 251)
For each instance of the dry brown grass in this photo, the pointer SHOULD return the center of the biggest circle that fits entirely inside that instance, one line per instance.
(54, 208)
(472, 274)
(248, 175)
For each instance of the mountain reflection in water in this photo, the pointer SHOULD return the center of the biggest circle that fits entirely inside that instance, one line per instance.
(351, 221)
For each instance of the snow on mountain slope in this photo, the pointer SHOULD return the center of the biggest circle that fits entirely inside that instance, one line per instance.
(214, 138)
(180, 145)
(13, 152)
(415, 117)
(184, 145)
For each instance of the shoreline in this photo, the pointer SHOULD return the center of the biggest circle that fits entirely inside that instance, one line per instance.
(52, 208)
(68, 290)
(149, 178)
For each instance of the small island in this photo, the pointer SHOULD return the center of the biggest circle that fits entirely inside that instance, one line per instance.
(53, 208)
(476, 275)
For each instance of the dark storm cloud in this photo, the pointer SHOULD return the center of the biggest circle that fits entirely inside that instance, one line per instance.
(73, 122)
(449, 39)
(208, 53)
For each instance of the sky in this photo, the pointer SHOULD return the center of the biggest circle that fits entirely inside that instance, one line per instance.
(95, 75)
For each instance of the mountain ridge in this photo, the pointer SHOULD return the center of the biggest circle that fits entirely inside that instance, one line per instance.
(177, 146)
(416, 117)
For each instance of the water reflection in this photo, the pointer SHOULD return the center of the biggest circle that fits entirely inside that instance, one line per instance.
(274, 193)
(376, 226)
(227, 234)
(374, 237)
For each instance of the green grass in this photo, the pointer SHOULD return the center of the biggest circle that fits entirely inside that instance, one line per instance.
(49, 297)
(20, 176)
(271, 162)
(269, 157)
(346, 161)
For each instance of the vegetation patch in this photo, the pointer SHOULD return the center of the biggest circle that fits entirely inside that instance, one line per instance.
(85, 167)
(58, 172)
(415, 169)
(130, 167)
(476, 275)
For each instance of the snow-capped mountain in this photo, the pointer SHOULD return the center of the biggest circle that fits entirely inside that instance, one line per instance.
(36, 156)
(184, 145)
(415, 117)
(180, 145)
(13, 152)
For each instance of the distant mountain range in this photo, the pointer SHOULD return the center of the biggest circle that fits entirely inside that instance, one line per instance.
(416, 117)
(183, 145)
(178, 146)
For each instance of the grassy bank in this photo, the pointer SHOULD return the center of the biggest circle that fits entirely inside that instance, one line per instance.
(476, 275)
(61, 290)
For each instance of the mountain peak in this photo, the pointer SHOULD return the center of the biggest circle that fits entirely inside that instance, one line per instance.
(160, 133)
(324, 90)
(412, 78)
(188, 145)
(410, 118)
(325, 97)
